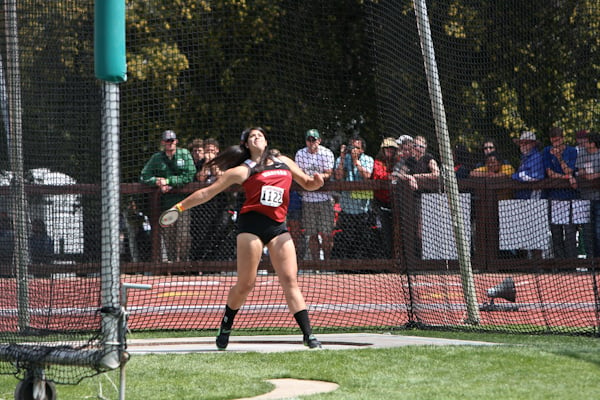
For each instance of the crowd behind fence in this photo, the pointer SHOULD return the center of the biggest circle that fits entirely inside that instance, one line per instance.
(504, 234)
(499, 237)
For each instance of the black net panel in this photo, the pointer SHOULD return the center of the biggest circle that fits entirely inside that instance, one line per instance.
(374, 251)
(532, 245)
(50, 197)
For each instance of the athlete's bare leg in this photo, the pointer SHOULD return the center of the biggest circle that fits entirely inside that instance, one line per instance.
(249, 251)
(283, 258)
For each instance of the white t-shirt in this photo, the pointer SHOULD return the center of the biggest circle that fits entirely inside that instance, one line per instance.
(310, 163)
(591, 163)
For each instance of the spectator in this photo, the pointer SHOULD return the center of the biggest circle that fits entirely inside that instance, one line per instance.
(167, 169)
(400, 170)
(382, 170)
(463, 161)
(41, 246)
(209, 220)
(531, 167)
(138, 232)
(588, 168)
(559, 161)
(581, 137)
(351, 166)
(493, 168)
(421, 163)
(317, 206)
(488, 146)
(196, 148)
(209, 174)
(405, 143)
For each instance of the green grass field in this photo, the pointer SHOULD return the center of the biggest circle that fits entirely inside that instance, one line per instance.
(519, 367)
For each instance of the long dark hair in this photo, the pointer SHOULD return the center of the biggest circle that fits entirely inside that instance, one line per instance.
(235, 155)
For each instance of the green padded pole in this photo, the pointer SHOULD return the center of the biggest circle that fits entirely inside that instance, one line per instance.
(110, 63)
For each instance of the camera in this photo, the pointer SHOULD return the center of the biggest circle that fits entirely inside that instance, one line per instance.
(349, 148)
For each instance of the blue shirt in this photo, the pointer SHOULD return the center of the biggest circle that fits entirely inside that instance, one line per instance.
(358, 201)
(552, 163)
(531, 169)
(295, 201)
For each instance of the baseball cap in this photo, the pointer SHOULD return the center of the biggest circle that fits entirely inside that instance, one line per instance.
(404, 139)
(582, 134)
(169, 135)
(389, 142)
(527, 135)
(313, 133)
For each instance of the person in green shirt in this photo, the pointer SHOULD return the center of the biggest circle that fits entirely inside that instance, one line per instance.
(171, 168)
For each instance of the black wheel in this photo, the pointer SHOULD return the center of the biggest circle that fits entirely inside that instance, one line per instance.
(24, 390)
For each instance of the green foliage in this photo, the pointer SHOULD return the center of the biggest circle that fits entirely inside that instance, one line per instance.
(213, 68)
(528, 67)
(59, 95)
(210, 68)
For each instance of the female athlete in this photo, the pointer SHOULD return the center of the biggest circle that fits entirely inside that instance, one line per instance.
(261, 222)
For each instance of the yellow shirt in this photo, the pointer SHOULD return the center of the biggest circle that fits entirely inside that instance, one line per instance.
(505, 169)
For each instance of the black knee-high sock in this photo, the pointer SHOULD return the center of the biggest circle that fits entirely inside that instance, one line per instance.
(304, 322)
(227, 321)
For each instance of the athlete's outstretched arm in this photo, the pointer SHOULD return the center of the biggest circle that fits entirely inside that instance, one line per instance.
(232, 176)
(307, 182)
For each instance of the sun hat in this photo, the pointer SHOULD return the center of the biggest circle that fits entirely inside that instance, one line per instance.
(389, 142)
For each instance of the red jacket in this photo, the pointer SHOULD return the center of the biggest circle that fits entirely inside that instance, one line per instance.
(381, 172)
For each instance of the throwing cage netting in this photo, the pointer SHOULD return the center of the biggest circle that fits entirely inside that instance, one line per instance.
(455, 249)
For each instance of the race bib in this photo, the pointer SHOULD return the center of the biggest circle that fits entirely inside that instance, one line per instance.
(271, 196)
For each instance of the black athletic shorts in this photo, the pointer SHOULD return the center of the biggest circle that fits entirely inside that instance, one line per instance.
(260, 225)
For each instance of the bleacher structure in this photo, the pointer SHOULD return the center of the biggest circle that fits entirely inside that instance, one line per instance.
(77, 225)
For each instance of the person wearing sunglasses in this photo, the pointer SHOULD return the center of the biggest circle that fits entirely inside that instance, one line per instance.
(422, 164)
(167, 169)
(489, 146)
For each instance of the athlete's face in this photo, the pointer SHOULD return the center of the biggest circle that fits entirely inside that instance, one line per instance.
(256, 141)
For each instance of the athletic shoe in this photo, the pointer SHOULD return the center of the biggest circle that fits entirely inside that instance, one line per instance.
(312, 342)
(223, 338)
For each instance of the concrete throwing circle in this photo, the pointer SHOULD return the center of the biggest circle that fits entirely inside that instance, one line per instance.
(291, 388)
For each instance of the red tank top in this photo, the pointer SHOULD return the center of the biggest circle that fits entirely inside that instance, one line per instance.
(268, 191)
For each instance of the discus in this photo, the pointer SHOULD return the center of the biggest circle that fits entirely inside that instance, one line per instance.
(168, 217)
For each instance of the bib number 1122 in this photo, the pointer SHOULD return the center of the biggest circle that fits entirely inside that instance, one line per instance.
(271, 196)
